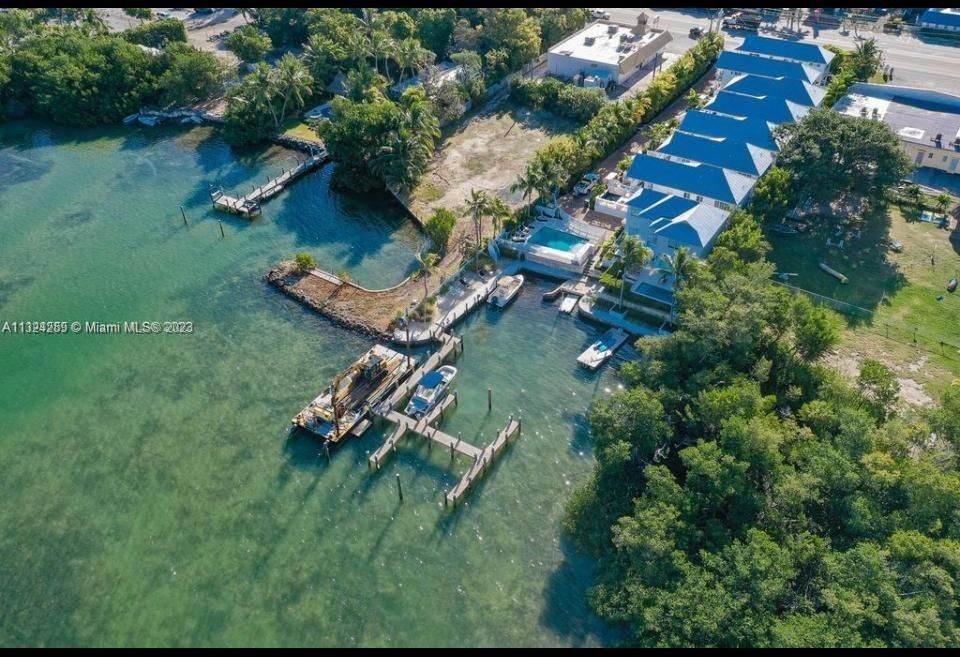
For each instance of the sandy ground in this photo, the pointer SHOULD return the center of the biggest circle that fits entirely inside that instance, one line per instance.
(846, 360)
(488, 152)
(199, 26)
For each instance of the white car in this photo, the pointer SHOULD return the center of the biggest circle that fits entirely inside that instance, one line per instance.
(600, 13)
(586, 184)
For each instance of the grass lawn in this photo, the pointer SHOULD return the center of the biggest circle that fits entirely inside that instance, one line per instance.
(906, 310)
(298, 129)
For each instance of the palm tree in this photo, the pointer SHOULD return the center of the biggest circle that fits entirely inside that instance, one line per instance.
(427, 265)
(867, 58)
(633, 254)
(92, 22)
(499, 211)
(410, 55)
(478, 204)
(679, 266)
(260, 88)
(529, 183)
(914, 194)
(293, 83)
(358, 48)
(381, 45)
(942, 202)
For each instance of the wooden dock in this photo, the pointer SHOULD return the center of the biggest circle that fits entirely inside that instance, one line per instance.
(250, 205)
(482, 463)
(482, 458)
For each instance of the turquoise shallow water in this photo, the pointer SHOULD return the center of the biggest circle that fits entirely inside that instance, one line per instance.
(150, 493)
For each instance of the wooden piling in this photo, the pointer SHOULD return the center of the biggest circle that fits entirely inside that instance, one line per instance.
(489, 399)
(184, 215)
(399, 488)
(220, 221)
(326, 450)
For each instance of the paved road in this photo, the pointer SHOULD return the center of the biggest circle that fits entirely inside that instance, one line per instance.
(928, 63)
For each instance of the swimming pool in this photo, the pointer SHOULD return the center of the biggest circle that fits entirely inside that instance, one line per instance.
(556, 239)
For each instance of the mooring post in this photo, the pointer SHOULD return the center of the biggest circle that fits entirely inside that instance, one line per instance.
(455, 401)
(326, 450)
(445, 493)
(519, 424)
(376, 461)
(451, 451)
(399, 488)
(220, 221)
(489, 399)
(184, 215)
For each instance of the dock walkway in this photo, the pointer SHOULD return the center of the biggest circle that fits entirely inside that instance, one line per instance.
(482, 458)
(250, 204)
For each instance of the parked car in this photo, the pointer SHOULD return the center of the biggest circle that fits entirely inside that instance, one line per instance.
(586, 184)
(696, 32)
(320, 112)
(895, 246)
(742, 21)
(600, 13)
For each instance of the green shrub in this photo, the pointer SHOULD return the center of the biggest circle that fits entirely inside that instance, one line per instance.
(305, 261)
(158, 33)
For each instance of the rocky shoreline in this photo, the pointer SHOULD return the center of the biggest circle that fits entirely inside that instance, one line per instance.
(285, 278)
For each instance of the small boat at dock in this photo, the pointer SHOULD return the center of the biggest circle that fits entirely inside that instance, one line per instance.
(433, 387)
(600, 351)
(507, 288)
(148, 120)
(568, 304)
(346, 401)
(127, 120)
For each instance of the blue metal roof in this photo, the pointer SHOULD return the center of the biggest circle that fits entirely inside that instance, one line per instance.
(771, 68)
(941, 17)
(675, 218)
(695, 179)
(751, 130)
(798, 91)
(802, 52)
(723, 152)
(654, 204)
(769, 108)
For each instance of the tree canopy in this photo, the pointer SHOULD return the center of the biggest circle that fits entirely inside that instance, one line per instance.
(746, 496)
(831, 155)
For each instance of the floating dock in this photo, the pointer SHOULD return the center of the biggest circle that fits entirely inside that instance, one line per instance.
(341, 408)
(482, 457)
(251, 204)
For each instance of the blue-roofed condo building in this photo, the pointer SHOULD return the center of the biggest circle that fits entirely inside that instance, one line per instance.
(947, 20)
(724, 152)
(802, 93)
(681, 194)
(769, 108)
(776, 58)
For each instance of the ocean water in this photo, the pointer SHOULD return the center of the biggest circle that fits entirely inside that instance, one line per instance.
(151, 494)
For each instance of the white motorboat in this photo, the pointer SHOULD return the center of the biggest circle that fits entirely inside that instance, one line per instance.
(431, 390)
(600, 351)
(130, 119)
(148, 120)
(507, 288)
(568, 304)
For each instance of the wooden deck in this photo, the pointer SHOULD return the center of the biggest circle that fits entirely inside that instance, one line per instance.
(250, 205)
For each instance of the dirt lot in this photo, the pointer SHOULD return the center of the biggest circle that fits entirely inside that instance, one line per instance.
(199, 26)
(487, 152)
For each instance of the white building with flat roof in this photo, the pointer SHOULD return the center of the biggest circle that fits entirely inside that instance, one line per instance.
(607, 50)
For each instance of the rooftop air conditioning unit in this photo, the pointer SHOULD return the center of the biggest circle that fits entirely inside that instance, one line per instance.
(612, 29)
(588, 41)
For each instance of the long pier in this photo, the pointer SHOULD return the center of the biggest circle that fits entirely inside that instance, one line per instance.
(482, 458)
(251, 204)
